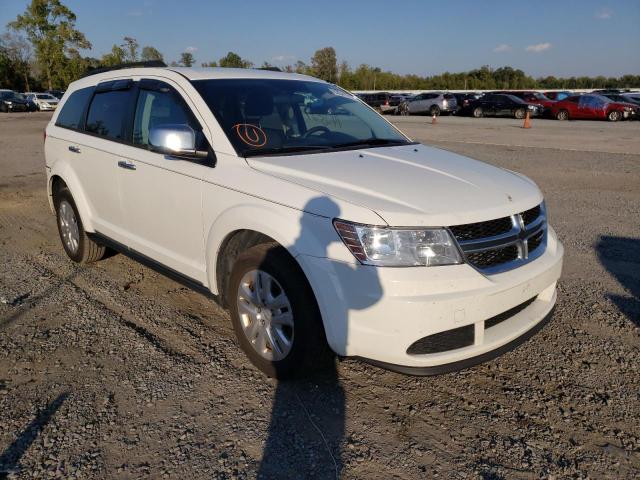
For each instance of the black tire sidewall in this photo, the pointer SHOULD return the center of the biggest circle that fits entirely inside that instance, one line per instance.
(309, 350)
(78, 256)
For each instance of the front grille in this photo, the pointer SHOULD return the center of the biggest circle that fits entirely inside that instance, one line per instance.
(491, 228)
(441, 342)
(497, 256)
(501, 244)
(536, 241)
(531, 215)
(493, 321)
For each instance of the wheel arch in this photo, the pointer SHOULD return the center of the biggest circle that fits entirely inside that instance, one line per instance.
(67, 178)
(242, 227)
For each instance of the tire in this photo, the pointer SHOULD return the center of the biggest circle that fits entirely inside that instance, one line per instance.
(434, 110)
(78, 246)
(562, 115)
(520, 113)
(308, 349)
(614, 116)
(477, 112)
(404, 111)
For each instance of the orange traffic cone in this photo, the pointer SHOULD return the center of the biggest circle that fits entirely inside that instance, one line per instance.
(434, 120)
(527, 121)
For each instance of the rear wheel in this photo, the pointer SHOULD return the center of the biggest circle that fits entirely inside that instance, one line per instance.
(614, 116)
(477, 112)
(520, 113)
(275, 315)
(79, 247)
(404, 109)
(434, 110)
(562, 115)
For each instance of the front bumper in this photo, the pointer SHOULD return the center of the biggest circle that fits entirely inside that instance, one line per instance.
(378, 313)
(47, 107)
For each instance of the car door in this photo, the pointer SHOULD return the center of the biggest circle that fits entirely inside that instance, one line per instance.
(161, 194)
(571, 105)
(416, 103)
(94, 154)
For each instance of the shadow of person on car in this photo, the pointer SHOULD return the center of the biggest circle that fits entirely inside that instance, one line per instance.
(621, 257)
(307, 424)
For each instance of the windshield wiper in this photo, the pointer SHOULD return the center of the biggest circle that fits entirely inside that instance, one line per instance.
(284, 150)
(372, 142)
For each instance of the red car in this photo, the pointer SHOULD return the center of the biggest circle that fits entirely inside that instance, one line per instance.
(592, 106)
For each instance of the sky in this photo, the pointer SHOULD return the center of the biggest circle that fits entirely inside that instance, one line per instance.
(543, 37)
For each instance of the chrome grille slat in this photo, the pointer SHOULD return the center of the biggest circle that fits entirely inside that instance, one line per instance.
(508, 249)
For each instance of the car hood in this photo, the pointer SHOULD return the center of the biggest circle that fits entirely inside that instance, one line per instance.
(412, 185)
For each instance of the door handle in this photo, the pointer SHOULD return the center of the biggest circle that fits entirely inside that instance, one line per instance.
(74, 149)
(126, 165)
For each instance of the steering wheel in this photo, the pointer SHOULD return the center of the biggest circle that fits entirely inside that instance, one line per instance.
(317, 128)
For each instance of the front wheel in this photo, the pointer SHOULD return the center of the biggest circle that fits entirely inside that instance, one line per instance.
(404, 110)
(614, 116)
(78, 246)
(275, 315)
(477, 112)
(562, 115)
(520, 113)
(434, 111)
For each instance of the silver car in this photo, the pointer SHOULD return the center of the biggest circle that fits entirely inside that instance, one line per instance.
(429, 103)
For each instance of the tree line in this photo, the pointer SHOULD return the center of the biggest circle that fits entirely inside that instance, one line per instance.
(41, 50)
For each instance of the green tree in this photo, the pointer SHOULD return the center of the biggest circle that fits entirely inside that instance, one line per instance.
(115, 57)
(324, 64)
(151, 53)
(50, 27)
(210, 64)
(19, 55)
(186, 59)
(233, 60)
(130, 47)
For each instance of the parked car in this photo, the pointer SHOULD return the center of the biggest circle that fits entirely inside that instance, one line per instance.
(56, 93)
(557, 95)
(463, 99)
(295, 205)
(44, 101)
(11, 102)
(592, 107)
(623, 98)
(495, 104)
(429, 103)
(31, 106)
(534, 98)
(384, 102)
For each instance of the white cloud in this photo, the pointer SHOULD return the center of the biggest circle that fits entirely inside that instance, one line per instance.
(191, 49)
(539, 47)
(283, 58)
(503, 47)
(604, 14)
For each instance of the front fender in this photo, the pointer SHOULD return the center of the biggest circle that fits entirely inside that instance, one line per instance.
(301, 233)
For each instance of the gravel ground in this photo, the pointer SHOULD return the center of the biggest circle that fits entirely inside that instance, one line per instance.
(113, 371)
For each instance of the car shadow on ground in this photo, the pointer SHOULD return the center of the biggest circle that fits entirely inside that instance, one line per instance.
(10, 458)
(621, 257)
(307, 424)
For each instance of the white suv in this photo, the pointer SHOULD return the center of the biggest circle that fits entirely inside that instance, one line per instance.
(318, 224)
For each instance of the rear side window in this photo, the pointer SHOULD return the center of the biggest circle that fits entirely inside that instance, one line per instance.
(72, 113)
(106, 115)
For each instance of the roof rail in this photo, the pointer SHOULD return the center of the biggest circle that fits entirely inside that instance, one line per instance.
(149, 64)
(270, 69)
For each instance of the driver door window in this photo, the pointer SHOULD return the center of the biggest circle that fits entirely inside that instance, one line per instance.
(162, 106)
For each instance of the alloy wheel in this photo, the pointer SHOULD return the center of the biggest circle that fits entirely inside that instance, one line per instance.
(69, 226)
(265, 315)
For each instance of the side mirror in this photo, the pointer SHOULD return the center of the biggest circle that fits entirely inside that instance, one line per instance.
(175, 140)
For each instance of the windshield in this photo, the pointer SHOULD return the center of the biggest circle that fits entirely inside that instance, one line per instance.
(515, 99)
(271, 117)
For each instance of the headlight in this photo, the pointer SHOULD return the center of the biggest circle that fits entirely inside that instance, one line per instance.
(398, 247)
(444, 103)
(8, 103)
